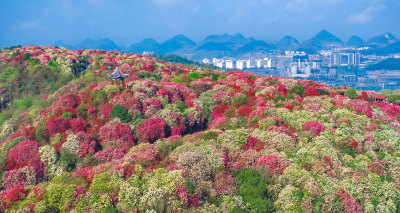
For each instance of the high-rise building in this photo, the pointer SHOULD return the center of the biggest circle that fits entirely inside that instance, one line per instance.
(229, 64)
(259, 63)
(357, 59)
(269, 63)
(350, 58)
(316, 64)
(240, 64)
(335, 59)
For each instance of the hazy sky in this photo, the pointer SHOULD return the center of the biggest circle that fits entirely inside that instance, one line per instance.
(128, 21)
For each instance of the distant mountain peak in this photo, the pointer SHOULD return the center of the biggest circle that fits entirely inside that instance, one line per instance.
(382, 40)
(175, 43)
(355, 41)
(287, 43)
(325, 35)
(389, 36)
(102, 44)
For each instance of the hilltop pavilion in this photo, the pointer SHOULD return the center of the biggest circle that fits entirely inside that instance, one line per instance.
(118, 77)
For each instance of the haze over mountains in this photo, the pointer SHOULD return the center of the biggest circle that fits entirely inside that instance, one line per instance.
(236, 45)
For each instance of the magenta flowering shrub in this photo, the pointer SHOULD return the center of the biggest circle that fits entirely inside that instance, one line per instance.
(350, 204)
(120, 133)
(151, 106)
(281, 129)
(224, 184)
(314, 128)
(105, 112)
(164, 93)
(253, 143)
(110, 154)
(23, 154)
(58, 125)
(218, 123)
(68, 100)
(359, 104)
(86, 144)
(271, 163)
(127, 100)
(187, 198)
(145, 154)
(10, 196)
(151, 129)
(377, 167)
(78, 124)
(201, 85)
(92, 112)
(13, 178)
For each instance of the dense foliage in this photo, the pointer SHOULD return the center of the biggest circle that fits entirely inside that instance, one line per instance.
(186, 139)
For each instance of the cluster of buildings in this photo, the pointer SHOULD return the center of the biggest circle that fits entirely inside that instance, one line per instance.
(334, 67)
(241, 64)
(344, 59)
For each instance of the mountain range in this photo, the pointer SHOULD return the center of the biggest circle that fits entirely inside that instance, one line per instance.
(236, 45)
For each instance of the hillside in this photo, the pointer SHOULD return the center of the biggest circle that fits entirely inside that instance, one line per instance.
(187, 139)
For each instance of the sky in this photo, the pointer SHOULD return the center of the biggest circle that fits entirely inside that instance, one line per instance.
(129, 21)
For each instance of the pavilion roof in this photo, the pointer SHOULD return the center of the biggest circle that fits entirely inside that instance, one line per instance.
(117, 74)
(380, 97)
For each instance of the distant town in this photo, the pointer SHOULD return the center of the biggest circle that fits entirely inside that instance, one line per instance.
(371, 64)
(335, 67)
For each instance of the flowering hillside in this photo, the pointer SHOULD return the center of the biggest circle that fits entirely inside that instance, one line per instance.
(187, 139)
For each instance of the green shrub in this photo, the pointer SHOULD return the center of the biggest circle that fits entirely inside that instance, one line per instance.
(167, 146)
(42, 134)
(68, 159)
(52, 63)
(297, 89)
(181, 105)
(387, 92)
(101, 184)
(26, 56)
(194, 76)
(271, 81)
(208, 135)
(8, 73)
(67, 178)
(351, 93)
(321, 92)
(81, 111)
(121, 113)
(68, 115)
(394, 98)
(253, 191)
(23, 103)
(240, 98)
(33, 62)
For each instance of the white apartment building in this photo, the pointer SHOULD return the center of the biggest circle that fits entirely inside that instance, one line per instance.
(229, 64)
(218, 62)
(206, 61)
(241, 64)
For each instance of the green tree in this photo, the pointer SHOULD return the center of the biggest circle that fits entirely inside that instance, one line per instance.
(351, 93)
(394, 98)
(387, 92)
(253, 190)
(121, 113)
(297, 89)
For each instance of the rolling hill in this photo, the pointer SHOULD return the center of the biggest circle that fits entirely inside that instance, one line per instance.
(188, 139)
